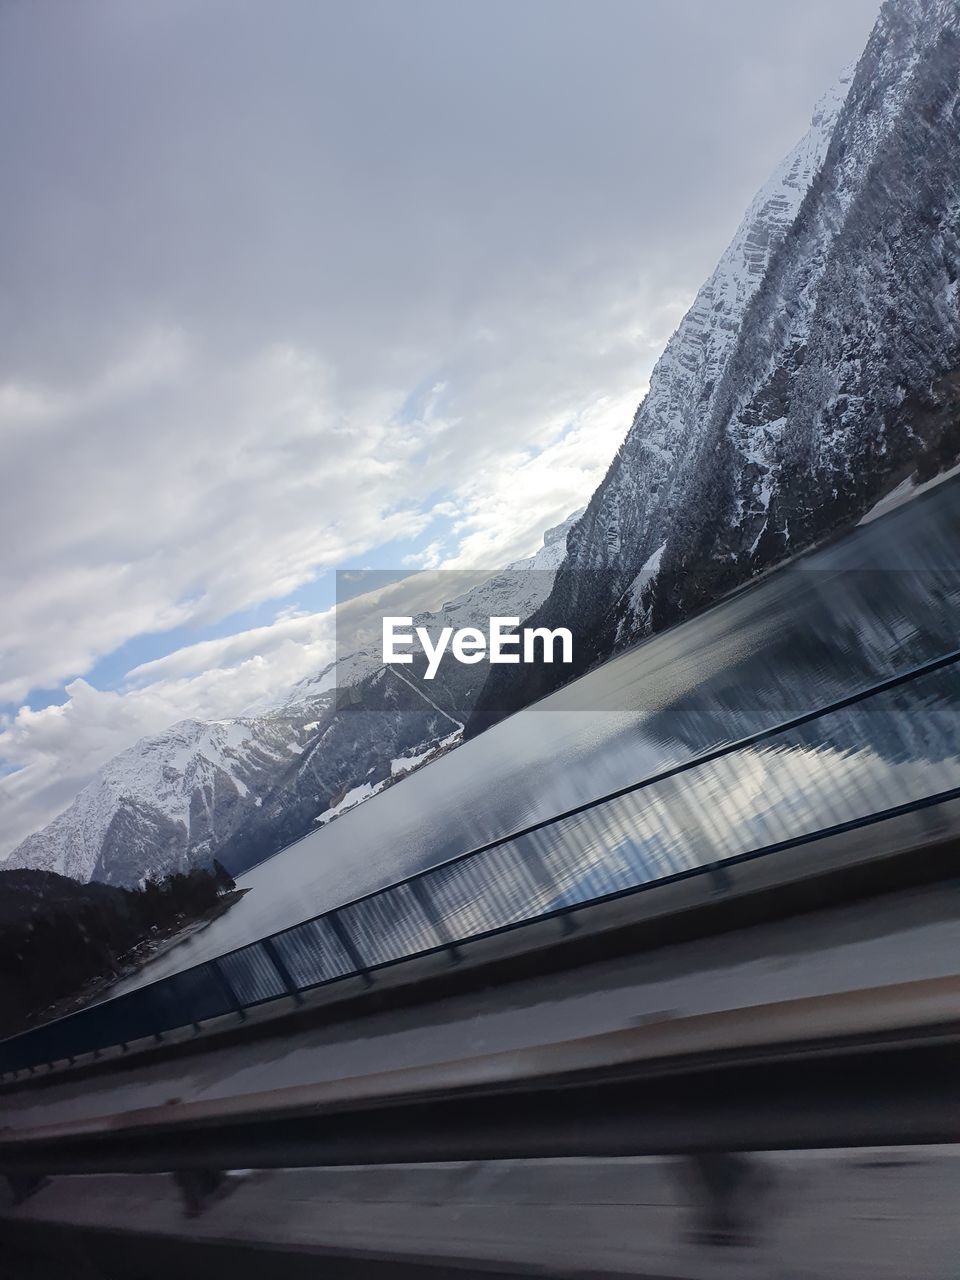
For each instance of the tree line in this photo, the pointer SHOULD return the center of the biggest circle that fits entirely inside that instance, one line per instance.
(59, 936)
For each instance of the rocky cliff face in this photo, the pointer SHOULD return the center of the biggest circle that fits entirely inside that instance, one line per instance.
(816, 368)
(241, 789)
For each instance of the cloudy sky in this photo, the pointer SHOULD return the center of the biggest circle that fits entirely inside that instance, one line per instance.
(292, 285)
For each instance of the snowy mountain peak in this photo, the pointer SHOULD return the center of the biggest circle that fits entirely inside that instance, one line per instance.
(243, 787)
(160, 804)
(551, 554)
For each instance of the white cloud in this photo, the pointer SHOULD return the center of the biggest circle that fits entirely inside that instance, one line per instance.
(352, 276)
(311, 632)
(496, 511)
(185, 490)
(186, 500)
(59, 748)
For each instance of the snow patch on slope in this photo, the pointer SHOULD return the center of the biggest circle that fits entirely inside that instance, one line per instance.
(906, 491)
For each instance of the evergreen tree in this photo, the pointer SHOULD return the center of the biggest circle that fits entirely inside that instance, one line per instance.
(224, 880)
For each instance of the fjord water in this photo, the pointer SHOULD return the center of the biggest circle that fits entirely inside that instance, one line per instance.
(881, 600)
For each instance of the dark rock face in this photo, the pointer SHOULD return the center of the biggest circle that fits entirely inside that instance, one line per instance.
(355, 744)
(817, 367)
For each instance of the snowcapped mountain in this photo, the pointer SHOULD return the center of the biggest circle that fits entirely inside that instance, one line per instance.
(818, 366)
(167, 801)
(240, 789)
(547, 560)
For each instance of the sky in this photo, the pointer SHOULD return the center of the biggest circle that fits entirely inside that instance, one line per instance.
(301, 286)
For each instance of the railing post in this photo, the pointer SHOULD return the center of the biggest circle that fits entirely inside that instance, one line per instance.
(286, 977)
(199, 1188)
(148, 995)
(720, 877)
(354, 956)
(533, 861)
(23, 1185)
(227, 988)
(173, 981)
(429, 909)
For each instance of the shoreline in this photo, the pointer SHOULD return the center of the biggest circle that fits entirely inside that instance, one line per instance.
(129, 965)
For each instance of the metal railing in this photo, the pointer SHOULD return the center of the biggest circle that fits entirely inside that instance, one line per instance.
(890, 748)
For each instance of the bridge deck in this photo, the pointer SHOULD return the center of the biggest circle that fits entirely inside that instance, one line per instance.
(887, 940)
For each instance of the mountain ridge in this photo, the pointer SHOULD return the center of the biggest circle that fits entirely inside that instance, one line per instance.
(816, 366)
(239, 789)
